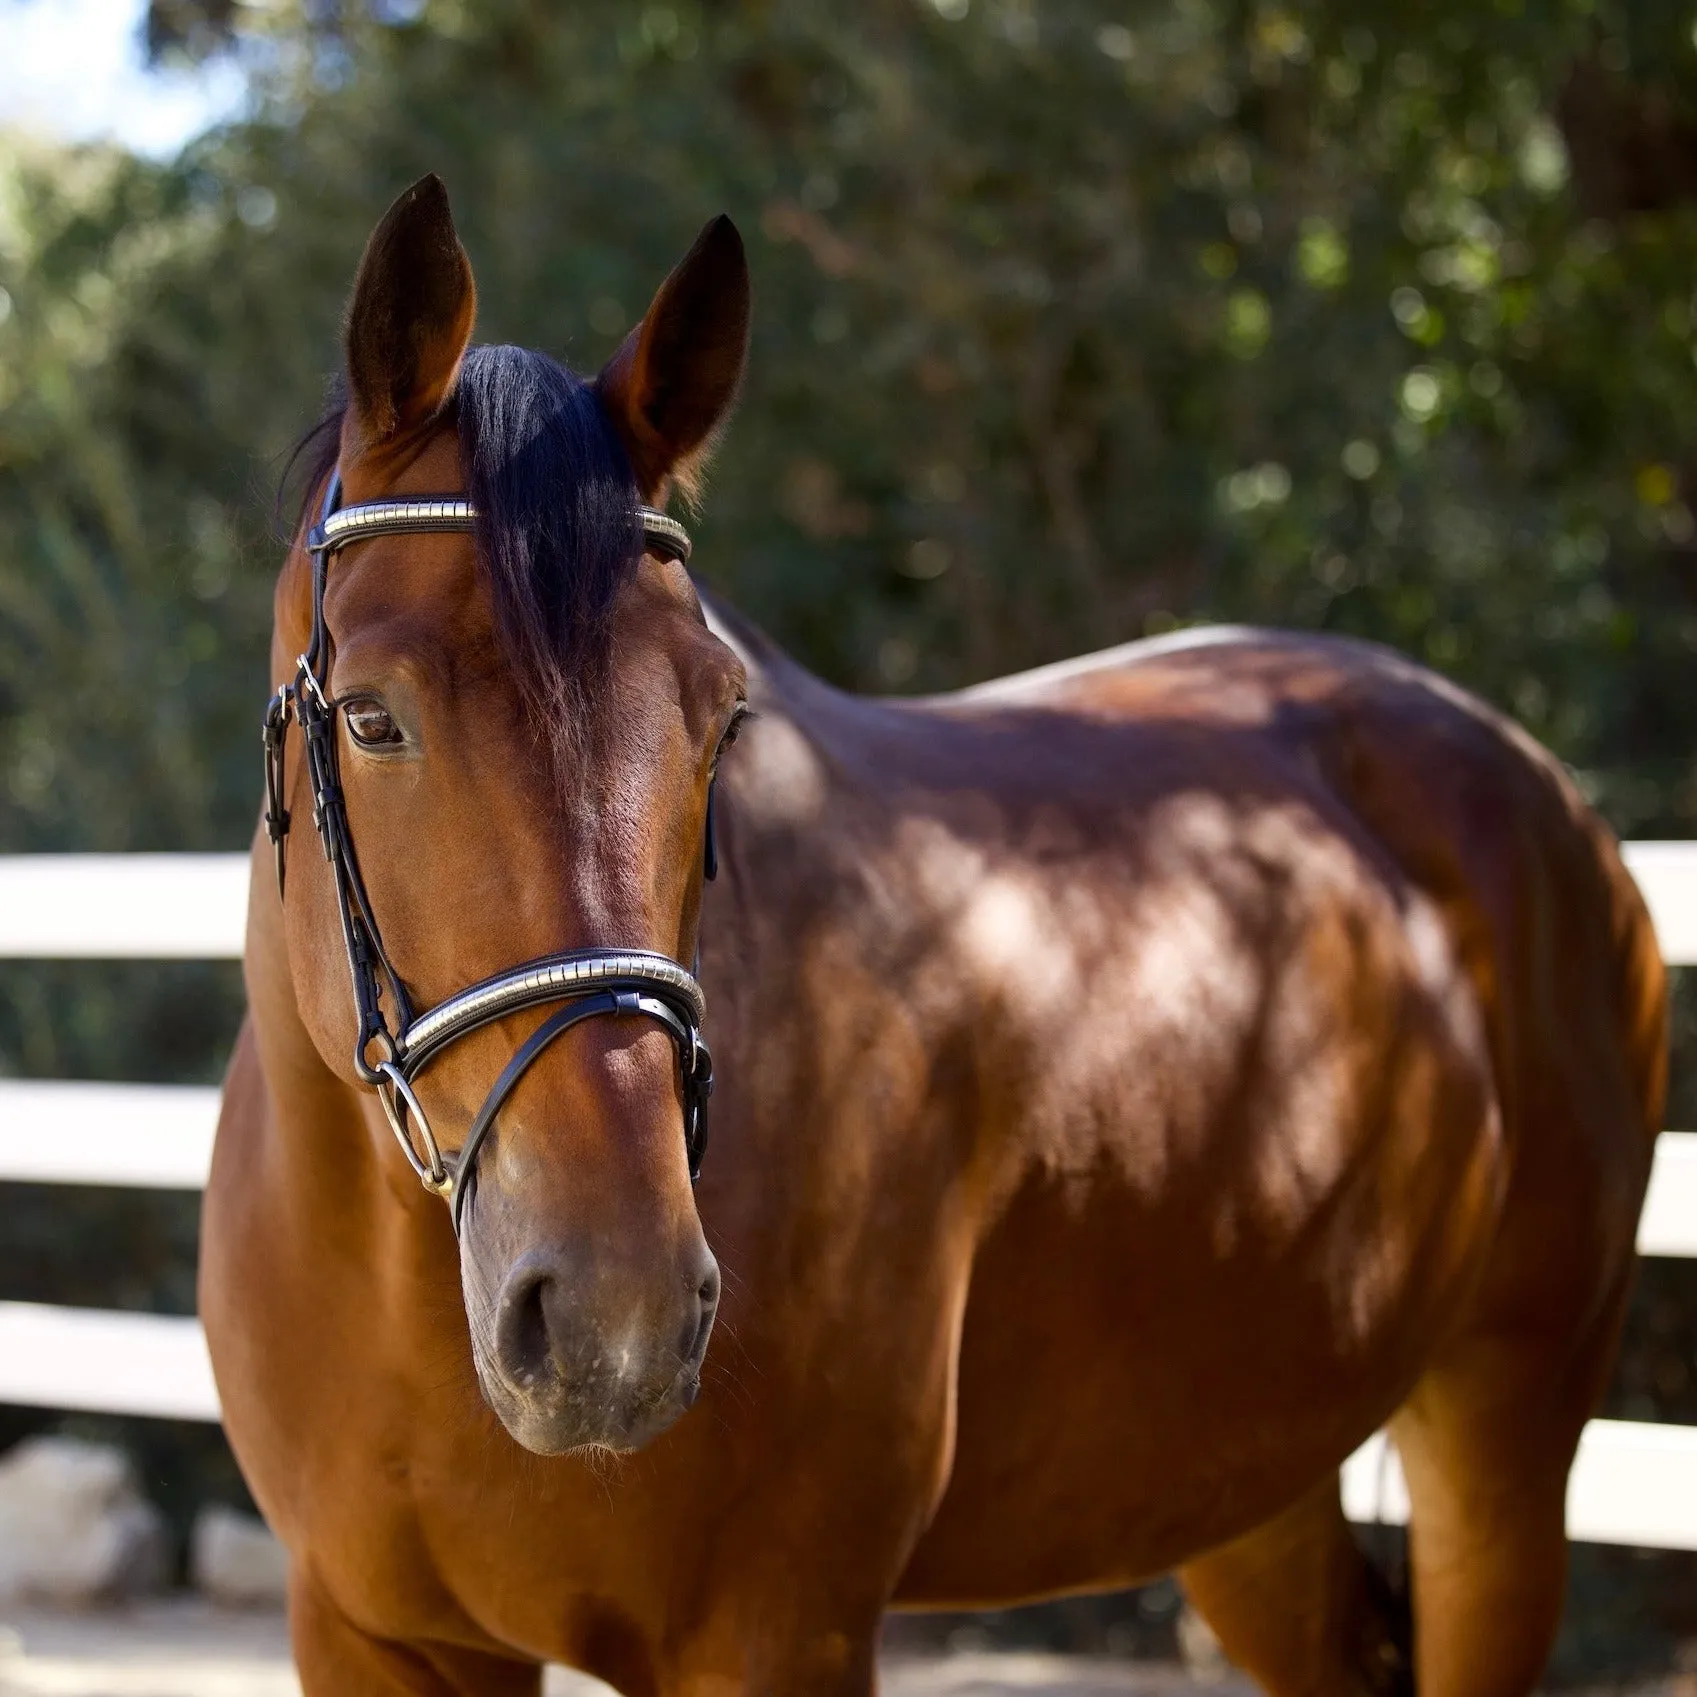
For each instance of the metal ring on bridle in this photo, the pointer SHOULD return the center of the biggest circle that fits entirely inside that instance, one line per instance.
(433, 1173)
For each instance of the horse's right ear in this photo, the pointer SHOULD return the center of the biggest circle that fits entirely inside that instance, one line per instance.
(410, 319)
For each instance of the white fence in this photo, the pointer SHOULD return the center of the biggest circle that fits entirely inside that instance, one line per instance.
(1633, 1483)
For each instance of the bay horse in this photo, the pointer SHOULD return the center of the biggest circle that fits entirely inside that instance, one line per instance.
(1137, 1081)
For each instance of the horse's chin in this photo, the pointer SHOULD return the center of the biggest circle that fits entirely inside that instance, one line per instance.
(559, 1423)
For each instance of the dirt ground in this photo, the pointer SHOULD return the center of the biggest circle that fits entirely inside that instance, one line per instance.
(187, 1649)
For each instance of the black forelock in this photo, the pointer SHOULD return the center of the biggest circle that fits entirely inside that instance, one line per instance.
(558, 534)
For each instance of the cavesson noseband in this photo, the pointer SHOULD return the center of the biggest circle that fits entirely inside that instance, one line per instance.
(588, 982)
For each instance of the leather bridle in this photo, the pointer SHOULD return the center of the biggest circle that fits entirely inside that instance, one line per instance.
(588, 982)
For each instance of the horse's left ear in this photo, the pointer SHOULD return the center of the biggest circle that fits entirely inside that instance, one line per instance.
(670, 387)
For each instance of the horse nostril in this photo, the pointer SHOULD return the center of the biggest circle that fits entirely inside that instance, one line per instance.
(696, 1331)
(524, 1347)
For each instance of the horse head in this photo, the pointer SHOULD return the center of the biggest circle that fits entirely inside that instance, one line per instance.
(519, 717)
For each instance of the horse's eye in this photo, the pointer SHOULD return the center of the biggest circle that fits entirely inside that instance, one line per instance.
(370, 723)
(738, 719)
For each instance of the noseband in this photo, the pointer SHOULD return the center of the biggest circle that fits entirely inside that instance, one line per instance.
(587, 982)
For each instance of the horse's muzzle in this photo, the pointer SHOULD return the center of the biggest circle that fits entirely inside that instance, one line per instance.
(566, 1365)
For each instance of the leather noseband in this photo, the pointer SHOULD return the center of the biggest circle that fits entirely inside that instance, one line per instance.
(587, 984)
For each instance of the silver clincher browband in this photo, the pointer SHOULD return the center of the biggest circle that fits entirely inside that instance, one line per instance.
(389, 1057)
(345, 525)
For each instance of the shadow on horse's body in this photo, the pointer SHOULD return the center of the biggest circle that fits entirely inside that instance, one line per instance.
(1138, 1081)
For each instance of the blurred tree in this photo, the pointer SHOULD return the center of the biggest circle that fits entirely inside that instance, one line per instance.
(1074, 322)
(1083, 320)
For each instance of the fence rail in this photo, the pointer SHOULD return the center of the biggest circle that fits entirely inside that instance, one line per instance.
(1633, 1483)
(123, 906)
(140, 1136)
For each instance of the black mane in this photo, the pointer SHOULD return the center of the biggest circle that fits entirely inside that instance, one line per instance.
(557, 532)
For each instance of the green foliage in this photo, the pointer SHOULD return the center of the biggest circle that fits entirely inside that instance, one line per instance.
(1074, 322)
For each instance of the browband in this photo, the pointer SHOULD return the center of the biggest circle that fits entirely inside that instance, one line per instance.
(337, 529)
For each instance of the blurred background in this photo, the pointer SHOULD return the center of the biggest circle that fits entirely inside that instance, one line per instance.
(1075, 322)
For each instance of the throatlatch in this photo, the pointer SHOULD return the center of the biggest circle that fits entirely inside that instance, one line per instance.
(390, 1057)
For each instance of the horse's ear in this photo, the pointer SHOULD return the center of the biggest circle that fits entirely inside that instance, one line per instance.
(410, 318)
(670, 386)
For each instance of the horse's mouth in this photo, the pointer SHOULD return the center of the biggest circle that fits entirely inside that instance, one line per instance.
(563, 1417)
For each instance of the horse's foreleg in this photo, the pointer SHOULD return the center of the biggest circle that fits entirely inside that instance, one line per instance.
(796, 1595)
(1295, 1603)
(334, 1657)
(824, 1660)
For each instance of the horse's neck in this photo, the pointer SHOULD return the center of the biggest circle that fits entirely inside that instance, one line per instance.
(812, 798)
(322, 1108)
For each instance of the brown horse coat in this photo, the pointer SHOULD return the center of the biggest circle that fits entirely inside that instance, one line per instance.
(1139, 1080)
